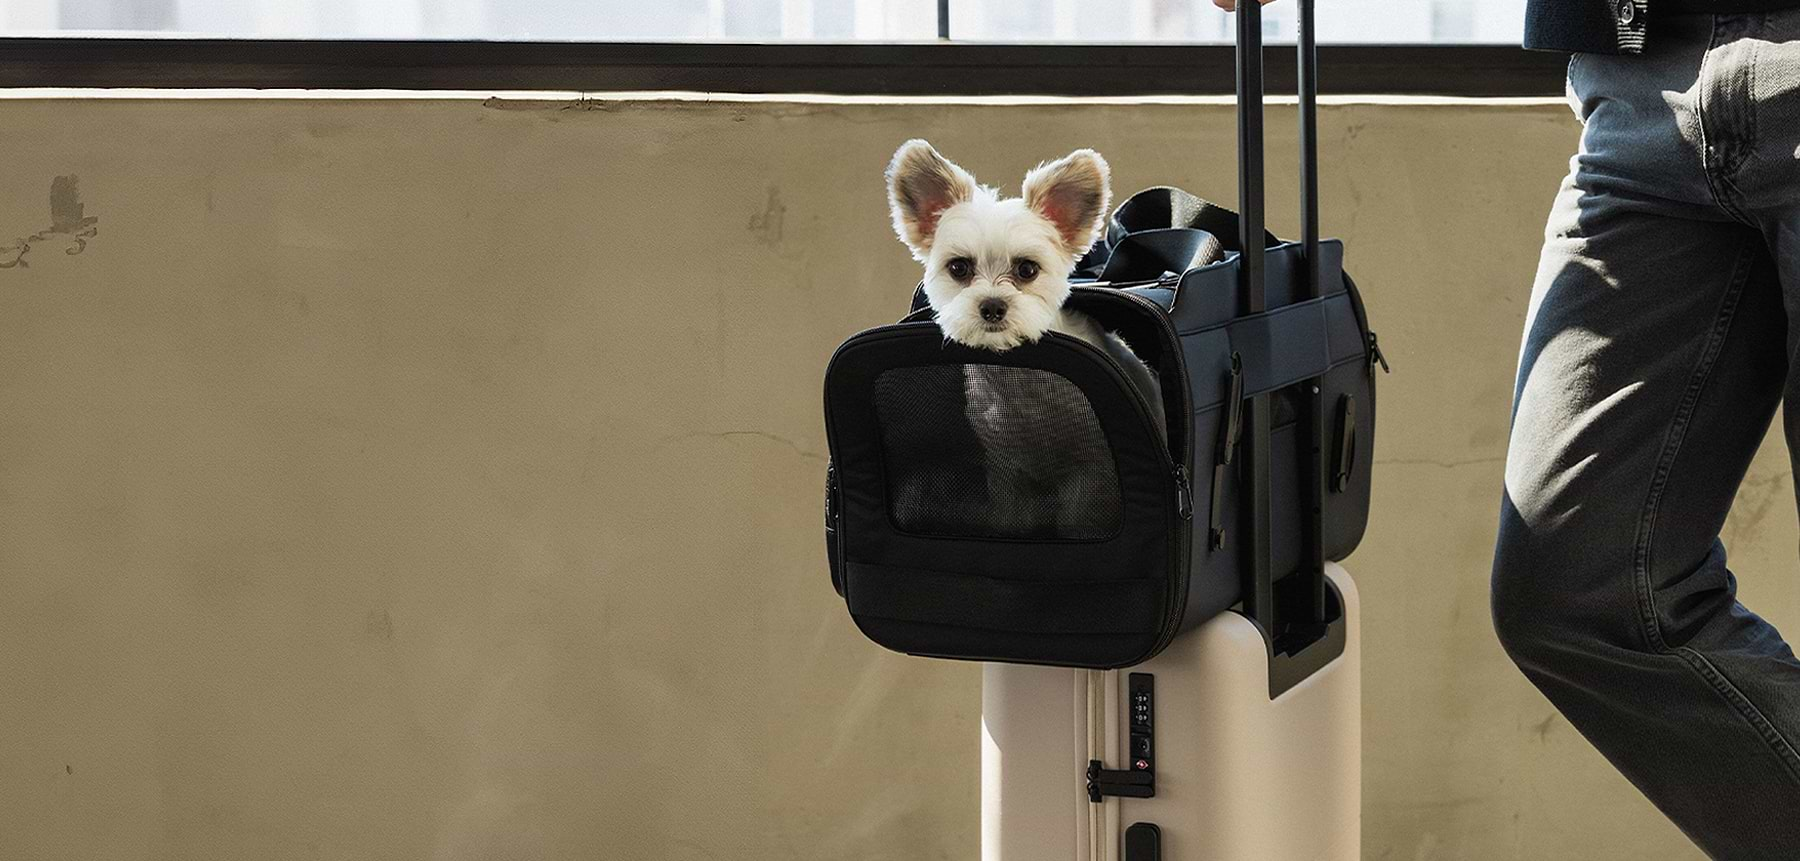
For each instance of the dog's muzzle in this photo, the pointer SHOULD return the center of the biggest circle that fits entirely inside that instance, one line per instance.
(993, 311)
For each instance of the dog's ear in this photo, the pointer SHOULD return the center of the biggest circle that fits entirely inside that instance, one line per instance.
(921, 185)
(1072, 193)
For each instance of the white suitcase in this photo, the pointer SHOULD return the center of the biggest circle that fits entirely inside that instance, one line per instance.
(1238, 776)
(1213, 750)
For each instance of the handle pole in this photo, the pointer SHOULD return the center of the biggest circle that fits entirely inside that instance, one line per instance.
(1250, 153)
(1306, 51)
(1258, 585)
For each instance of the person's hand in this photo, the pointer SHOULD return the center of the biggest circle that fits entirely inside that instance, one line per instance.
(1231, 5)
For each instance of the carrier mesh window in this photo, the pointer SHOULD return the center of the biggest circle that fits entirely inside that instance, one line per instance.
(987, 451)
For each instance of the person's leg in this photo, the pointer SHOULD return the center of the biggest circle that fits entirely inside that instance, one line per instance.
(1651, 365)
(1766, 178)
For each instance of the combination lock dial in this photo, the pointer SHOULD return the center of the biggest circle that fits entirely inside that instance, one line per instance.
(1141, 689)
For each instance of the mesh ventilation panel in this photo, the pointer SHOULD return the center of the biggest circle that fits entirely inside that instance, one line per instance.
(989, 451)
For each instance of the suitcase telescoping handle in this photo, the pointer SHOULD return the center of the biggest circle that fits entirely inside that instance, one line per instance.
(1250, 145)
(1304, 607)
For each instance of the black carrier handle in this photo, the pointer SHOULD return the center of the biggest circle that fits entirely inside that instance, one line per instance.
(1300, 612)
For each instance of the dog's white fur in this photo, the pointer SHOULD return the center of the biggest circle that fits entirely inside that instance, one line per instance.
(943, 215)
(1014, 256)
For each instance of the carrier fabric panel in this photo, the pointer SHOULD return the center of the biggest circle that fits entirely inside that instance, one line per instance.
(1089, 589)
(1293, 339)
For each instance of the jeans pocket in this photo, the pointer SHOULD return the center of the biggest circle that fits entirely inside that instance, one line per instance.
(1572, 86)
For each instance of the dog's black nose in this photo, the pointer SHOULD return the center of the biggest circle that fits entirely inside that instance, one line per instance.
(993, 310)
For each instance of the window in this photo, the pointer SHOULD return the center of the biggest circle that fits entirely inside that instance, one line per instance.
(1340, 21)
(850, 47)
(1083, 21)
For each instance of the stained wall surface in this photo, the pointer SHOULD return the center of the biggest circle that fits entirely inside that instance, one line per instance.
(440, 477)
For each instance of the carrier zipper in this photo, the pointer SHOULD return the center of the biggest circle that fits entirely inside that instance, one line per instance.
(1371, 349)
(1180, 547)
(1167, 279)
(1178, 556)
(1184, 495)
(1376, 356)
(834, 542)
(831, 510)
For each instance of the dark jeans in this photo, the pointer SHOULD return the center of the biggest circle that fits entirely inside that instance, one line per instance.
(1656, 349)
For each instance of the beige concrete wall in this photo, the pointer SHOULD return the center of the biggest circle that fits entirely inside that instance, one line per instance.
(431, 478)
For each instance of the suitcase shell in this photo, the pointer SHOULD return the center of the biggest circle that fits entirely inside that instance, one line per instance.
(1239, 777)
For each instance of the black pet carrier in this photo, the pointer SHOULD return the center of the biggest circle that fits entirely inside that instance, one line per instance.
(1102, 529)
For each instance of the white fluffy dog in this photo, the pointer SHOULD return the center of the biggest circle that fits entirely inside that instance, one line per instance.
(996, 276)
(996, 270)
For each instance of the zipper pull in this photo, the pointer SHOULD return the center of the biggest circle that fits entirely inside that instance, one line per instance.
(1170, 280)
(1184, 495)
(1376, 356)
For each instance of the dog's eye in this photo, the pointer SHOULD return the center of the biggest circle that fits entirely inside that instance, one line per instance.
(1025, 270)
(960, 268)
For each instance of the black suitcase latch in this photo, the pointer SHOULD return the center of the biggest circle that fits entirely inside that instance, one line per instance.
(1102, 782)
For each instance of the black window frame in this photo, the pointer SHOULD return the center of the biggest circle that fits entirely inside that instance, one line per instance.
(876, 69)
